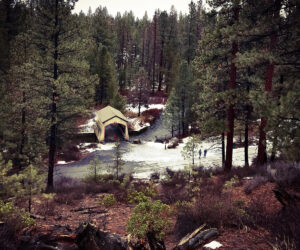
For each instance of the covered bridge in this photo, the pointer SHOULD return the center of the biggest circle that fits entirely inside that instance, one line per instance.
(110, 122)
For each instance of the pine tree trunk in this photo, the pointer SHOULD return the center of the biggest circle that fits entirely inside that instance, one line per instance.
(143, 47)
(154, 53)
(161, 62)
(246, 134)
(246, 139)
(230, 112)
(182, 116)
(262, 154)
(52, 143)
(23, 125)
(275, 140)
(223, 149)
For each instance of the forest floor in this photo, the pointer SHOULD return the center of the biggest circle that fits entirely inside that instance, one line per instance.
(67, 212)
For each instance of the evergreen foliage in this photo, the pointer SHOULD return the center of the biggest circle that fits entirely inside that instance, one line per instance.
(118, 159)
(94, 169)
(149, 218)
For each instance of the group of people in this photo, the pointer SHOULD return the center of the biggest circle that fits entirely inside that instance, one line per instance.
(200, 153)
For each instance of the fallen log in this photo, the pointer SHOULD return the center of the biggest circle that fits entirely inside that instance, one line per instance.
(83, 208)
(196, 238)
(94, 212)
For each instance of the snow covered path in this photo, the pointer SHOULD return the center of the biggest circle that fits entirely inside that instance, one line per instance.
(143, 159)
(149, 157)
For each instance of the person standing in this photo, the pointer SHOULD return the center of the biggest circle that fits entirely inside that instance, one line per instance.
(205, 152)
(200, 152)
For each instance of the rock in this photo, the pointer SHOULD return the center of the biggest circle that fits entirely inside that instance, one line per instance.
(173, 143)
(88, 237)
(196, 238)
(137, 141)
(213, 245)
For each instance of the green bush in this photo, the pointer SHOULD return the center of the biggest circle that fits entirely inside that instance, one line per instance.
(136, 197)
(10, 214)
(109, 200)
(232, 181)
(149, 217)
(151, 190)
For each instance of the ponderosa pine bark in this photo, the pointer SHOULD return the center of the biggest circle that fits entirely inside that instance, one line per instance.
(230, 112)
(262, 154)
(154, 51)
(52, 141)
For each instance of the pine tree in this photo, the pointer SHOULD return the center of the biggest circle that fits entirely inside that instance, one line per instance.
(190, 149)
(182, 96)
(105, 69)
(140, 90)
(66, 76)
(191, 33)
(212, 71)
(9, 183)
(118, 159)
(33, 182)
(94, 168)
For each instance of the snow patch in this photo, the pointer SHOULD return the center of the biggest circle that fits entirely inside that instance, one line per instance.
(88, 127)
(213, 245)
(137, 124)
(107, 146)
(61, 162)
(135, 109)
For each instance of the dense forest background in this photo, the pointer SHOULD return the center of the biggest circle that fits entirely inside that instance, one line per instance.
(231, 70)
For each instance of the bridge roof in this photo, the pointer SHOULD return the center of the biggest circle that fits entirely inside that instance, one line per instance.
(108, 113)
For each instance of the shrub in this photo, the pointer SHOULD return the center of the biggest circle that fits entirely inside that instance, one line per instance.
(256, 182)
(151, 115)
(126, 181)
(47, 205)
(215, 211)
(10, 214)
(71, 153)
(174, 178)
(285, 174)
(108, 200)
(136, 197)
(149, 217)
(14, 220)
(232, 181)
(170, 195)
(68, 185)
(149, 189)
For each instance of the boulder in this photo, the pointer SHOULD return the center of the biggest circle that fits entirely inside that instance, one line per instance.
(173, 143)
(196, 238)
(88, 237)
